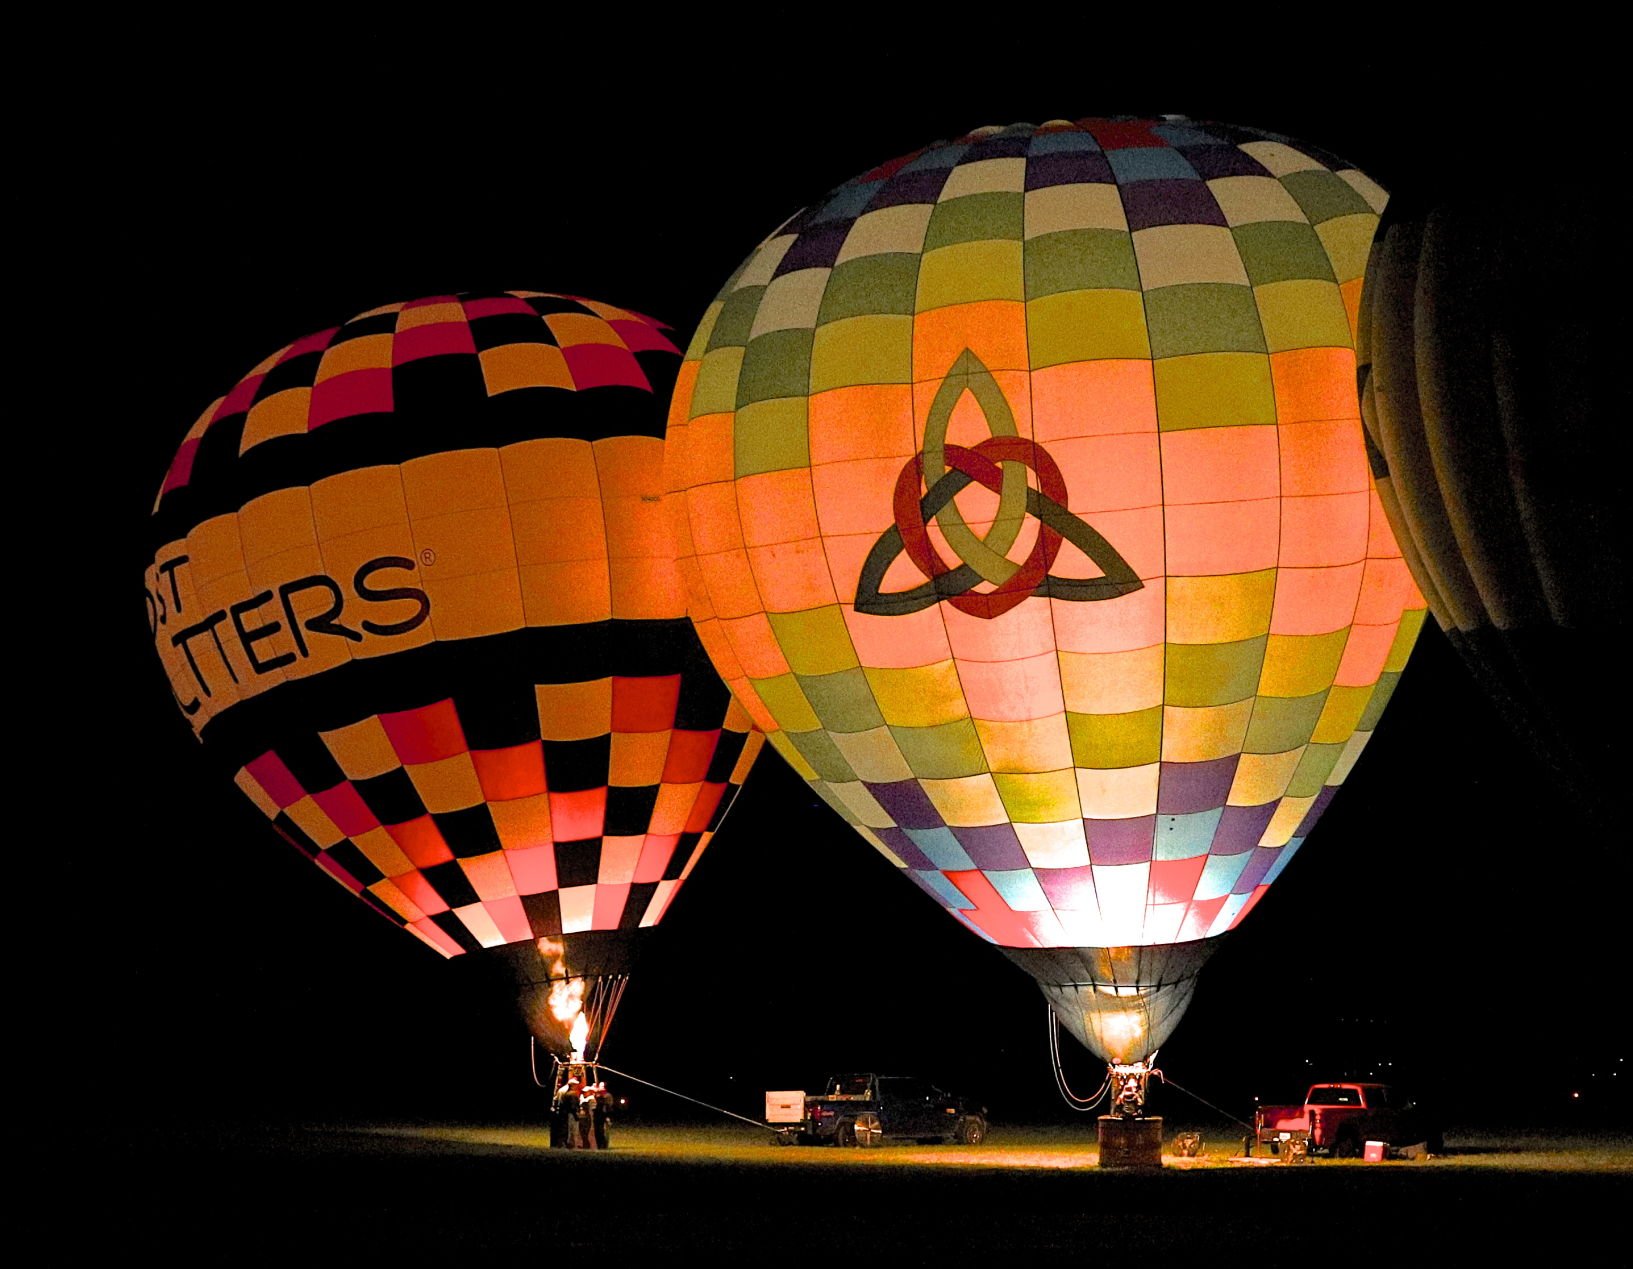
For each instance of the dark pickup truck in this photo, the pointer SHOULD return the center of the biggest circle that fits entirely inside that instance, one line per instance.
(1341, 1118)
(863, 1110)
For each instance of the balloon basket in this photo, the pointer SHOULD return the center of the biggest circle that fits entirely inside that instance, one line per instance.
(1130, 1143)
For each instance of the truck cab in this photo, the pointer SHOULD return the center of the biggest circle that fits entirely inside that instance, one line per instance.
(1340, 1117)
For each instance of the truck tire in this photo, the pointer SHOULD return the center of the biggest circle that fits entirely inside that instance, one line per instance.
(867, 1131)
(845, 1132)
(972, 1130)
(1348, 1144)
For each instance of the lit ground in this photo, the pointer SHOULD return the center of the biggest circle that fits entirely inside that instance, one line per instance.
(378, 1191)
(1027, 1148)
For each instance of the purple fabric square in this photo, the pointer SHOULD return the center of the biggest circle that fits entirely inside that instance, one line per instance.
(1185, 787)
(1322, 799)
(904, 802)
(1240, 828)
(1212, 161)
(1149, 203)
(1000, 147)
(905, 848)
(1254, 873)
(992, 846)
(923, 186)
(1121, 841)
(816, 248)
(1068, 889)
(1067, 167)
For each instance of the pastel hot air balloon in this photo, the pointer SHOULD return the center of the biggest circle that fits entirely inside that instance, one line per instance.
(1023, 502)
(1490, 393)
(413, 586)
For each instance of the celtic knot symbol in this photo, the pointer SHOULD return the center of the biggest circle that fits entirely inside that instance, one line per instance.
(999, 463)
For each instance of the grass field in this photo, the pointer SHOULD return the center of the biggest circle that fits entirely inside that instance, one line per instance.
(1024, 1147)
(257, 1194)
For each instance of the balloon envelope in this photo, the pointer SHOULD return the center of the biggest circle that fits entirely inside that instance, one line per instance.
(1489, 391)
(1024, 504)
(414, 588)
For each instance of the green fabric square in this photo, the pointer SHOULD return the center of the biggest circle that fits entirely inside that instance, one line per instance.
(715, 391)
(736, 318)
(1198, 674)
(823, 755)
(1281, 723)
(705, 330)
(1085, 326)
(776, 364)
(815, 641)
(781, 695)
(1202, 317)
(1380, 697)
(1322, 195)
(975, 218)
(1116, 740)
(875, 349)
(843, 701)
(1080, 260)
(1225, 389)
(947, 751)
(1276, 250)
(872, 284)
(770, 436)
(1313, 769)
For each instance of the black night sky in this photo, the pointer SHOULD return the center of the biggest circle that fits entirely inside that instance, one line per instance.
(1444, 918)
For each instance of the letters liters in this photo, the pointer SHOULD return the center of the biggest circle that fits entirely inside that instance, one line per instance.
(204, 650)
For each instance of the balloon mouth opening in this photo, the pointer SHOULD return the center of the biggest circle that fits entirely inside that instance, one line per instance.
(558, 1019)
(1121, 1022)
(1121, 1004)
(569, 986)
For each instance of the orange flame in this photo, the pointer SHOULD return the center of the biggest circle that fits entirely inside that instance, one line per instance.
(566, 994)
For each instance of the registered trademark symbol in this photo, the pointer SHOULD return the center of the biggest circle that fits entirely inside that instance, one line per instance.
(428, 556)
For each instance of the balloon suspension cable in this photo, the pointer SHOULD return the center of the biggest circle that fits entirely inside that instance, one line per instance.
(1076, 1102)
(695, 1101)
(604, 998)
(1216, 1109)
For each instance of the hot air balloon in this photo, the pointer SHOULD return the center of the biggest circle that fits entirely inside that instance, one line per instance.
(1022, 500)
(1488, 392)
(413, 588)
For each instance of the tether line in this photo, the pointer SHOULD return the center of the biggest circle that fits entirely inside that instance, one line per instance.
(695, 1101)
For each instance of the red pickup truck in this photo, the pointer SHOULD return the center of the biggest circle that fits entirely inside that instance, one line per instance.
(1341, 1118)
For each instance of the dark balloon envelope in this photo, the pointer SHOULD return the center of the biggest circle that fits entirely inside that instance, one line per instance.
(1491, 386)
(414, 589)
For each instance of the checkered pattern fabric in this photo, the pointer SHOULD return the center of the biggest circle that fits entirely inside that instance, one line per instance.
(590, 825)
(395, 360)
(1123, 345)
(416, 588)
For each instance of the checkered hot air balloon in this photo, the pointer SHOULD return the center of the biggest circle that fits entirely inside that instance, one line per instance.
(1023, 501)
(414, 588)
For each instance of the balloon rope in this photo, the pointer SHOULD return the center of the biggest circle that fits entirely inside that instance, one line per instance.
(707, 1106)
(610, 999)
(533, 1059)
(1075, 1102)
(1208, 1104)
